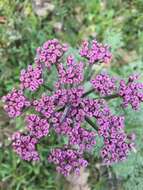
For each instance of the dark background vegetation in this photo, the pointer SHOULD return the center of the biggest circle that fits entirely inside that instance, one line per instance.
(22, 29)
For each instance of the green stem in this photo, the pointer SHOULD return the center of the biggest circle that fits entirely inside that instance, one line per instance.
(109, 97)
(65, 113)
(101, 97)
(91, 123)
(88, 92)
(60, 109)
(48, 88)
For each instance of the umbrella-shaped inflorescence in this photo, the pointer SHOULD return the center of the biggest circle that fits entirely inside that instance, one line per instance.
(69, 110)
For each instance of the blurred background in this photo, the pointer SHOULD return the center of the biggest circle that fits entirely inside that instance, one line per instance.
(25, 25)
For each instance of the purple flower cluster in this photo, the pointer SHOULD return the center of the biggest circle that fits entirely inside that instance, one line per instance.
(38, 127)
(45, 105)
(71, 99)
(67, 160)
(72, 73)
(15, 102)
(50, 53)
(68, 108)
(104, 84)
(70, 96)
(131, 92)
(78, 137)
(82, 139)
(95, 108)
(74, 95)
(31, 78)
(25, 146)
(117, 145)
(95, 52)
(77, 113)
(62, 127)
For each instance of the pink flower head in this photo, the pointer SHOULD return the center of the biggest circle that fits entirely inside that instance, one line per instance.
(95, 52)
(15, 102)
(31, 78)
(37, 126)
(25, 146)
(50, 53)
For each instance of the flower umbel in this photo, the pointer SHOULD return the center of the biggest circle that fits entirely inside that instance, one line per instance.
(131, 92)
(95, 52)
(31, 78)
(15, 102)
(25, 146)
(69, 110)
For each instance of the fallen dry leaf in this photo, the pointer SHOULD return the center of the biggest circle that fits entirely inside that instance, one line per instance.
(2, 20)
